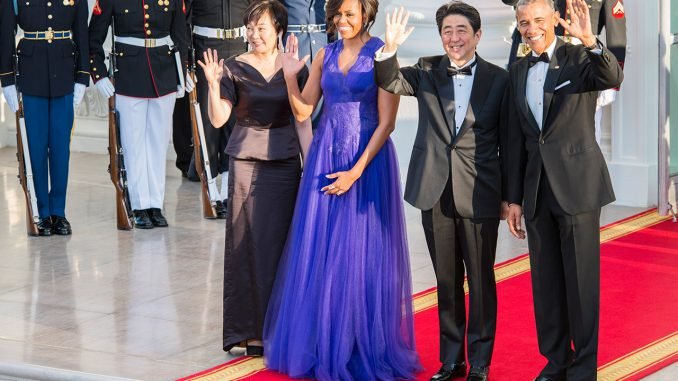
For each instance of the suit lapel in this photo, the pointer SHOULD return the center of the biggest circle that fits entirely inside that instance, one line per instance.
(521, 93)
(479, 91)
(445, 88)
(556, 65)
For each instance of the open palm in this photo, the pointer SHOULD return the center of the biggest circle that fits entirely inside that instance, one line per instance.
(580, 19)
(396, 29)
(212, 66)
(291, 64)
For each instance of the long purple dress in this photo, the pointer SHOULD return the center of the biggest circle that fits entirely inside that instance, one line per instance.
(341, 308)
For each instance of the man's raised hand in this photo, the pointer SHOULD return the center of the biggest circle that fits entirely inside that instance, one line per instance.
(580, 22)
(396, 29)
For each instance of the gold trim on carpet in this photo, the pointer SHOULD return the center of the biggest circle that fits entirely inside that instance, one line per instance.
(616, 370)
(640, 359)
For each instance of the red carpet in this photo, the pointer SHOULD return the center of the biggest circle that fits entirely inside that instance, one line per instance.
(638, 319)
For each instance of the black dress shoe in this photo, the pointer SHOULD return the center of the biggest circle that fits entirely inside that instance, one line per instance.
(449, 372)
(254, 350)
(157, 219)
(61, 226)
(44, 227)
(220, 208)
(478, 373)
(142, 220)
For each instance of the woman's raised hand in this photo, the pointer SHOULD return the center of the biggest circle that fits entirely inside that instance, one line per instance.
(212, 66)
(396, 29)
(291, 64)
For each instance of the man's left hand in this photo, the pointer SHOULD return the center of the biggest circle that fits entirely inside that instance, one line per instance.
(580, 22)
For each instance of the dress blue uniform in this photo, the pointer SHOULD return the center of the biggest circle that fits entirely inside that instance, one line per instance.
(52, 58)
(148, 78)
(306, 19)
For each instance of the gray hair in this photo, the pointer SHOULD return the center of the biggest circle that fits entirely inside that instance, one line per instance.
(549, 3)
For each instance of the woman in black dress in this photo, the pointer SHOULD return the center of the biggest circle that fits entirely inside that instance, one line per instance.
(265, 168)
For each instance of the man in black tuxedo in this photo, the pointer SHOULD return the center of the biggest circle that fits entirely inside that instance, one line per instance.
(454, 176)
(557, 172)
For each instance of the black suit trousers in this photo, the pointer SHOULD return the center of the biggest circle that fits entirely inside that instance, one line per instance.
(565, 269)
(182, 135)
(455, 243)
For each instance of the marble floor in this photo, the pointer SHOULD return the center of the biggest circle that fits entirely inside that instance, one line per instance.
(105, 304)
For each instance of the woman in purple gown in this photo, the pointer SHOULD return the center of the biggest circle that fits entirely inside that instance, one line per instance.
(341, 308)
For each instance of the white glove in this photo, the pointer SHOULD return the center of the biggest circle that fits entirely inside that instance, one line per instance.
(190, 85)
(180, 91)
(105, 87)
(606, 97)
(11, 97)
(78, 93)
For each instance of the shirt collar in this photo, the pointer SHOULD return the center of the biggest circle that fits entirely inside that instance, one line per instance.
(548, 50)
(470, 62)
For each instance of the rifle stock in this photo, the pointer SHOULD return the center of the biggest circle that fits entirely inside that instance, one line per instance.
(116, 168)
(25, 173)
(208, 209)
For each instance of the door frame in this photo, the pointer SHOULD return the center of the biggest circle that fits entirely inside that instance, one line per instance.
(667, 184)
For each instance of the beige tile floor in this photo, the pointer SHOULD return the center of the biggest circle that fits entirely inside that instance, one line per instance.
(145, 305)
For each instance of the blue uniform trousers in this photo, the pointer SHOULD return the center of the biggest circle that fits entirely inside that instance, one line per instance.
(48, 129)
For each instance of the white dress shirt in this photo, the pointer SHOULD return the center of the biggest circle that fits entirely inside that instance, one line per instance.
(536, 76)
(463, 84)
(534, 89)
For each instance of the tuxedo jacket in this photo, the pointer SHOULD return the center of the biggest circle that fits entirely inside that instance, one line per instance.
(471, 156)
(565, 149)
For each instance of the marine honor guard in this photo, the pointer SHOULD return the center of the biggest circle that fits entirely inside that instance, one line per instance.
(216, 25)
(51, 74)
(151, 47)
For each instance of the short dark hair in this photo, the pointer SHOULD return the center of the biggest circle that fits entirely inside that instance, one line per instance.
(274, 8)
(369, 8)
(458, 8)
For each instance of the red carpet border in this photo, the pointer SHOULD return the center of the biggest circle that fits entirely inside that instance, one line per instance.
(639, 305)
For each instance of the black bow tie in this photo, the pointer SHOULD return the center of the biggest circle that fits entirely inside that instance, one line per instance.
(532, 60)
(466, 70)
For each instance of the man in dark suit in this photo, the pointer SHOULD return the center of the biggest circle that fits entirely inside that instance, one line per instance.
(454, 176)
(608, 14)
(557, 172)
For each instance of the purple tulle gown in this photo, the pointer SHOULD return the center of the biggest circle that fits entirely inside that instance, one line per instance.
(341, 308)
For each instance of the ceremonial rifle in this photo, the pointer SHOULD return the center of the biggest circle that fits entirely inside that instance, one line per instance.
(23, 155)
(116, 164)
(208, 185)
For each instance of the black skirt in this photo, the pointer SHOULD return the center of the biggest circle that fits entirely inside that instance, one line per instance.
(261, 198)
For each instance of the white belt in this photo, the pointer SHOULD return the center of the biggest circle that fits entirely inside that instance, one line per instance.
(153, 43)
(145, 42)
(222, 34)
(306, 28)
